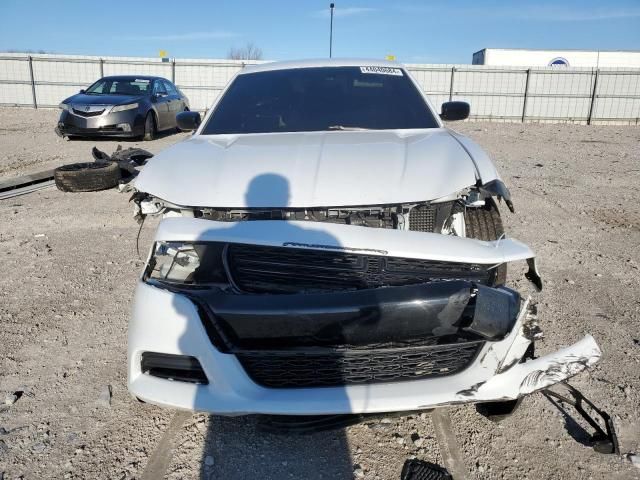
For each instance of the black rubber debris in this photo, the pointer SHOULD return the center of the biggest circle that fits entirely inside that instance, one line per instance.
(604, 440)
(86, 177)
(420, 470)
(127, 159)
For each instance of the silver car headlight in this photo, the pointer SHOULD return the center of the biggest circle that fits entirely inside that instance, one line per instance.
(174, 262)
(122, 108)
(64, 106)
(198, 263)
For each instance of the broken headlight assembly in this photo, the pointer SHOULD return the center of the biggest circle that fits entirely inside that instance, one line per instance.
(186, 263)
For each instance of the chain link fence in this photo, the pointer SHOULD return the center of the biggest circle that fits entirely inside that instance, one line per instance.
(541, 94)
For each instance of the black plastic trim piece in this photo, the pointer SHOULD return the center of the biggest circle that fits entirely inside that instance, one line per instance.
(180, 368)
(495, 312)
(351, 318)
(497, 188)
(437, 312)
(604, 440)
(415, 469)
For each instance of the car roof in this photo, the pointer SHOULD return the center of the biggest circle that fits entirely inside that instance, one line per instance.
(315, 63)
(132, 77)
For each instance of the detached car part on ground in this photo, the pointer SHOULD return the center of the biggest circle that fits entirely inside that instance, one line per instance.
(329, 247)
(107, 171)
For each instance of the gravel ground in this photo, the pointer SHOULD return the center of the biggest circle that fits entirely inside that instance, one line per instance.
(28, 143)
(69, 266)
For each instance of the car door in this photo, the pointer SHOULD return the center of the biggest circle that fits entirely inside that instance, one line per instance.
(161, 102)
(176, 105)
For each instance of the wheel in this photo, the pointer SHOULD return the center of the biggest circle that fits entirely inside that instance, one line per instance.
(149, 127)
(484, 223)
(87, 177)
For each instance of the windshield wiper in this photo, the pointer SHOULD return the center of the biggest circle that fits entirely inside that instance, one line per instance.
(346, 129)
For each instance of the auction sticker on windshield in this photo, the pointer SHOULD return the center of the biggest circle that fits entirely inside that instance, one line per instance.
(382, 70)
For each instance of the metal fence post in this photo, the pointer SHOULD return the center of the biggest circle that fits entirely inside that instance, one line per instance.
(593, 96)
(33, 82)
(453, 73)
(173, 70)
(101, 67)
(526, 95)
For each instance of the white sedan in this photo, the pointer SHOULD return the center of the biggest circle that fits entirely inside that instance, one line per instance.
(328, 246)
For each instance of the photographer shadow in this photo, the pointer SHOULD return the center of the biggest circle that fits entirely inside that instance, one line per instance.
(237, 447)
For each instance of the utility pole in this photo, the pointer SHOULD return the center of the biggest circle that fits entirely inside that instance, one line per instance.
(331, 6)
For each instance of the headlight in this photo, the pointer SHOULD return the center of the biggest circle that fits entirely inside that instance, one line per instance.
(63, 106)
(186, 263)
(122, 108)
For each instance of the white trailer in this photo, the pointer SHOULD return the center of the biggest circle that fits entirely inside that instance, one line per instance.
(567, 58)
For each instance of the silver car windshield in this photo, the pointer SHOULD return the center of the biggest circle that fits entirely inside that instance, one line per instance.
(119, 86)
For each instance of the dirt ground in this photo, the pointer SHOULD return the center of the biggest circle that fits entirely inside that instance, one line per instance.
(68, 267)
(28, 143)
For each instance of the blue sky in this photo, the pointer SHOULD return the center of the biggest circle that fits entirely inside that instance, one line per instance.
(413, 31)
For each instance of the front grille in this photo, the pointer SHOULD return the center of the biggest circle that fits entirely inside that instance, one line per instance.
(422, 218)
(294, 270)
(337, 367)
(82, 113)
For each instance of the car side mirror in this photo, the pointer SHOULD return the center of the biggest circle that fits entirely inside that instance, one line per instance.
(455, 111)
(82, 91)
(188, 120)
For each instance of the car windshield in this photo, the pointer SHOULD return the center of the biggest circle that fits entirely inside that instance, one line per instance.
(120, 86)
(317, 99)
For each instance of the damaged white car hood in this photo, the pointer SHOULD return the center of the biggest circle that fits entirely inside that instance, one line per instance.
(312, 169)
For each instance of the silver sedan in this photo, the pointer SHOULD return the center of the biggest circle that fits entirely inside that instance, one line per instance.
(122, 106)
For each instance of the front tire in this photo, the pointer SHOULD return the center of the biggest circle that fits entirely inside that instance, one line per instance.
(149, 127)
(484, 223)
